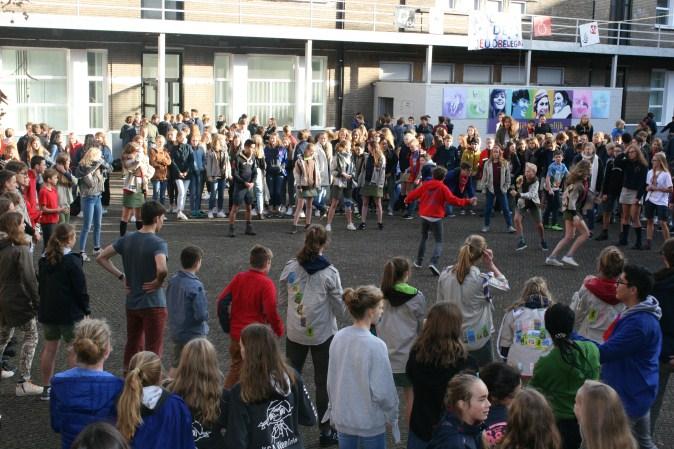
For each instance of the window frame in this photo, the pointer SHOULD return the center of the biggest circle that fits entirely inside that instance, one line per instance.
(410, 73)
(324, 89)
(228, 86)
(662, 89)
(103, 80)
(561, 74)
(670, 13)
(521, 69)
(452, 72)
(270, 104)
(491, 74)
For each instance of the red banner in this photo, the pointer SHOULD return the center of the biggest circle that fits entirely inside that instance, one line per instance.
(542, 26)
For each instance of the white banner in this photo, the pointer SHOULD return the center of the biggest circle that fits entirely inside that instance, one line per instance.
(589, 34)
(494, 30)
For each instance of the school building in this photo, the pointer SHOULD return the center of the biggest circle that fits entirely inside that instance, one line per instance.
(83, 65)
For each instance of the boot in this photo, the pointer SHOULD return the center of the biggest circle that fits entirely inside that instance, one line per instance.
(623, 235)
(249, 229)
(637, 244)
(231, 231)
(602, 236)
(122, 228)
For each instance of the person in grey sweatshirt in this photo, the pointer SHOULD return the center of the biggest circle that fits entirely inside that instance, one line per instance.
(186, 303)
(363, 396)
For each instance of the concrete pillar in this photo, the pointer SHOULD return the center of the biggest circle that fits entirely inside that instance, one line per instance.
(429, 63)
(161, 75)
(614, 70)
(527, 68)
(308, 89)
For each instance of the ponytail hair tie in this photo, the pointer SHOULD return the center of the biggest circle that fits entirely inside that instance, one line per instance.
(560, 336)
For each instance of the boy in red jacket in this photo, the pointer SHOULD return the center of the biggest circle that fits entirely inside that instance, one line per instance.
(433, 197)
(253, 300)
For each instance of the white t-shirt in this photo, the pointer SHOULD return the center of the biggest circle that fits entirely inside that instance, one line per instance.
(664, 180)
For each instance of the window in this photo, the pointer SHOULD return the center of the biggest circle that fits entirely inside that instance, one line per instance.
(36, 82)
(493, 6)
(465, 5)
(95, 73)
(395, 71)
(663, 12)
(657, 95)
(318, 103)
(271, 88)
(223, 86)
(172, 86)
(441, 73)
(162, 9)
(513, 74)
(518, 7)
(476, 74)
(550, 76)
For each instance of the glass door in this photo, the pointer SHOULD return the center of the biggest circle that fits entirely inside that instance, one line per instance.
(173, 86)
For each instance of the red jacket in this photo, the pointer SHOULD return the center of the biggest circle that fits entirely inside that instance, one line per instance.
(253, 301)
(433, 195)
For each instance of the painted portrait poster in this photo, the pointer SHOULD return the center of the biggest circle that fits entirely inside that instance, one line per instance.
(454, 102)
(499, 102)
(477, 102)
(601, 103)
(541, 103)
(521, 104)
(582, 103)
(562, 103)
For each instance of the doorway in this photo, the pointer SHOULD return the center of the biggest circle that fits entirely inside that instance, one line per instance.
(173, 84)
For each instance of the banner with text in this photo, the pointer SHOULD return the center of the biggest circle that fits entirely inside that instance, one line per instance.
(494, 30)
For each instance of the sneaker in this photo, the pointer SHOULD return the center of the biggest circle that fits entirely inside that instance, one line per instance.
(521, 245)
(317, 213)
(221, 214)
(544, 245)
(472, 212)
(553, 262)
(485, 229)
(434, 270)
(556, 227)
(303, 215)
(511, 230)
(4, 374)
(329, 438)
(417, 264)
(182, 216)
(210, 214)
(569, 261)
(328, 227)
(81, 215)
(132, 219)
(201, 214)
(28, 388)
(351, 227)
(104, 212)
(46, 390)
(362, 226)
(289, 211)
(97, 251)
(205, 196)
(389, 213)
(451, 216)
(281, 209)
(463, 212)
(85, 258)
(254, 212)
(408, 217)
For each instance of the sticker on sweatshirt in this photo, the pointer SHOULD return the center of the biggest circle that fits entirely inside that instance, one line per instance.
(198, 431)
(282, 436)
(593, 315)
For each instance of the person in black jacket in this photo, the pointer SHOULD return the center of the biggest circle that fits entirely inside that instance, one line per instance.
(270, 401)
(182, 165)
(244, 173)
(634, 168)
(610, 188)
(63, 298)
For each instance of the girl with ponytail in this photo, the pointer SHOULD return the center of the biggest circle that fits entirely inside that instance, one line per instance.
(559, 374)
(314, 300)
(86, 393)
(63, 298)
(401, 323)
(466, 286)
(149, 416)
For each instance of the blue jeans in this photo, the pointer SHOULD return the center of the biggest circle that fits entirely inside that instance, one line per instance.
(436, 228)
(275, 186)
(159, 191)
(319, 201)
(552, 208)
(414, 442)
(491, 197)
(347, 441)
(195, 192)
(641, 430)
(393, 189)
(217, 190)
(92, 210)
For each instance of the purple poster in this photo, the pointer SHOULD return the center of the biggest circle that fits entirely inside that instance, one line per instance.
(454, 102)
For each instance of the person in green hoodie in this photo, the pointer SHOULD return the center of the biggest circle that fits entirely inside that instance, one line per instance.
(401, 321)
(559, 374)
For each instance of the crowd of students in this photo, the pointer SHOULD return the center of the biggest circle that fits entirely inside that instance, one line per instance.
(540, 388)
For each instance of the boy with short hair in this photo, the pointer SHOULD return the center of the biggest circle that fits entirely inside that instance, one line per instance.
(186, 303)
(554, 185)
(49, 205)
(526, 195)
(244, 173)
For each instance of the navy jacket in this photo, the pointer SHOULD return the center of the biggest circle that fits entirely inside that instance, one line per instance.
(80, 397)
(452, 181)
(182, 160)
(63, 291)
(454, 434)
(187, 307)
(629, 358)
(167, 426)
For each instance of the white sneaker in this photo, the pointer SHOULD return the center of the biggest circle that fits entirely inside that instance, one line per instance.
(281, 209)
(221, 214)
(485, 229)
(174, 210)
(6, 374)
(182, 216)
(328, 227)
(104, 212)
(28, 388)
(553, 262)
(289, 211)
(254, 212)
(351, 227)
(317, 214)
(210, 214)
(85, 258)
(569, 261)
(303, 215)
(206, 196)
(132, 219)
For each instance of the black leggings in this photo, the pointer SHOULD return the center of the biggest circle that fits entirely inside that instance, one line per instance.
(570, 432)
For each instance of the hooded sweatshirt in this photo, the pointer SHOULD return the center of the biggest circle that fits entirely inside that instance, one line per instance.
(401, 323)
(629, 357)
(596, 307)
(314, 300)
(452, 433)
(433, 195)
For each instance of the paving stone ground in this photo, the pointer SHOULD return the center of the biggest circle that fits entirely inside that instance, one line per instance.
(359, 256)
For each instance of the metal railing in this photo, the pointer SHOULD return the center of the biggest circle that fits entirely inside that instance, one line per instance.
(362, 15)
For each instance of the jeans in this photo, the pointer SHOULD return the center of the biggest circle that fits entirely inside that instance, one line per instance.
(144, 331)
(393, 190)
(436, 228)
(290, 188)
(275, 186)
(319, 201)
(182, 185)
(641, 429)
(297, 355)
(666, 370)
(347, 441)
(258, 191)
(195, 192)
(30, 337)
(47, 231)
(92, 210)
(491, 197)
(159, 191)
(414, 442)
(217, 190)
(551, 208)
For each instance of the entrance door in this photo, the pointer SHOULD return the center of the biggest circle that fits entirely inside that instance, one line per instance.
(173, 80)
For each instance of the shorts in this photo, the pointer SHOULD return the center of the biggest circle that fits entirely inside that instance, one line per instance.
(629, 196)
(307, 192)
(534, 212)
(243, 196)
(133, 200)
(608, 206)
(655, 210)
(177, 351)
(401, 380)
(56, 332)
(337, 193)
(372, 190)
(569, 214)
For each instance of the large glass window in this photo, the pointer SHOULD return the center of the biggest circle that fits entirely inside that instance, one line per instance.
(663, 12)
(441, 73)
(657, 94)
(36, 84)
(162, 9)
(476, 74)
(173, 83)
(95, 74)
(512, 74)
(550, 76)
(395, 71)
(318, 103)
(271, 88)
(223, 86)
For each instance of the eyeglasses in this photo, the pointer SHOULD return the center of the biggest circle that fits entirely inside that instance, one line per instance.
(620, 281)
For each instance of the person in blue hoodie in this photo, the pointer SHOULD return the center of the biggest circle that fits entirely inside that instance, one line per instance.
(629, 356)
(467, 409)
(85, 393)
(186, 303)
(664, 285)
(199, 161)
(459, 183)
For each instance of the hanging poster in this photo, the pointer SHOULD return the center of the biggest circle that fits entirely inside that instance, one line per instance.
(600, 104)
(562, 102)
(494, 30)
(499, 102)
(542, 26)
(541, 103)
(477, 102)
(589, 34)
(582, 103)
(520, 104)
(454, 102)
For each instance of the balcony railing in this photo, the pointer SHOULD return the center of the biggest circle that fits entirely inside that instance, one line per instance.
(362, 15)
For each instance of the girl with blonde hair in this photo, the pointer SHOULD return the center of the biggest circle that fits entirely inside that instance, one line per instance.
(466, 286)
(307, 178)
(148, 416)
(602, 419)
(496, 182)
(91, 183)
(198, 380)
(160, 160)
(658, 190)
